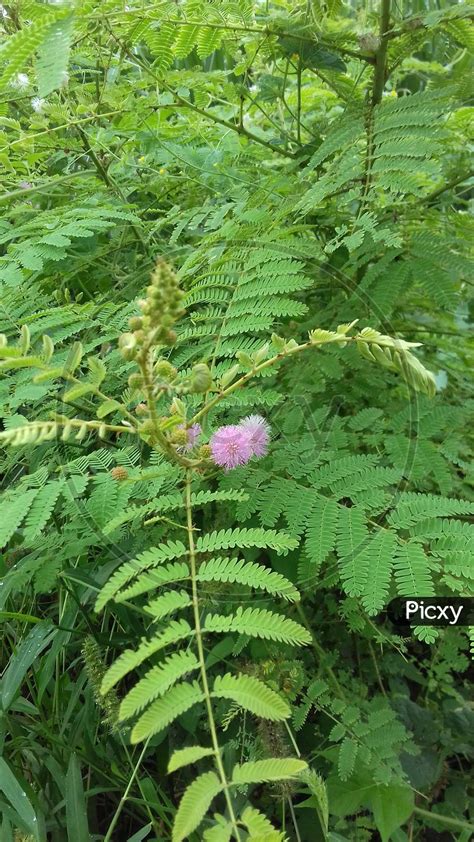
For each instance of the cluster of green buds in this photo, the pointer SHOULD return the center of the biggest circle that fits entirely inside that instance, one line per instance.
(160, 310)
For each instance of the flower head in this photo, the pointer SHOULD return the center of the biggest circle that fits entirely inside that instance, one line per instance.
(259, 432)
(21, 81)
(37, 104)
(231, 446)
(193, 433)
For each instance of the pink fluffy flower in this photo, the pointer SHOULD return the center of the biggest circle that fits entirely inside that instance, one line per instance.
(231, 446)
(259, 431)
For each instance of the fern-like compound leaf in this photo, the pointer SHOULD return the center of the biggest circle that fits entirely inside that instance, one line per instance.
(221, 832)
(321, 531)
(150, 558)
(176, 572)
(175, 631)
(195, 804)
(259, 826)
(41, 509)
(412, 570)
(347, 757)
(168, 603)
(157, 681)
(247, 573)
(259, 622)
(251, 694)
(229, 538)
(377, 557)
(53, 56)
(185, 756)
(273, 769)
(13, 514)
(317, 787)
(163, 711)
(351, 542)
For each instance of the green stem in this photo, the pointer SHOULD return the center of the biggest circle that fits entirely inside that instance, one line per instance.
(158, 437)
(446, 820)
(108, 835)
(380, 72)
(43, 187)
(201, 656)
(343, 338)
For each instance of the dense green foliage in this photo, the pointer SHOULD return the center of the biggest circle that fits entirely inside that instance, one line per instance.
(193, 653)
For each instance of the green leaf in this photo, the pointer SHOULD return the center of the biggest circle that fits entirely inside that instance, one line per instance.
(132, 658)
(26, 654)
(321, 531)
(347, 757)
(168, 603)
(252, 694)
(126, 572)
(141, 834)
(157, 681)
(185, 756)
(76, 813)
(107, 407)
(310, 54)
(21, 362)
(164, 711)
(195, 804)
(259, 826)
(53, 56)
(392, 806)
(278, 541)
(220, 832)
(319, 796)
(73, 358)
(273, 769)
(78, 391)
(14, 512)
(247, 573)
(51, 374)
(259, 622)
(97, 369)
(347, 797)
(17, 798)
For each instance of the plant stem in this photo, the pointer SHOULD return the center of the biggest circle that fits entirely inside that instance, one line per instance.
(288, 352)
(381, 54)
(202, 662)
(108, 835)
(446, 820)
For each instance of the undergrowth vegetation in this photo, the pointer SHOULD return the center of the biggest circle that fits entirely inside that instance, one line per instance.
(235, 420)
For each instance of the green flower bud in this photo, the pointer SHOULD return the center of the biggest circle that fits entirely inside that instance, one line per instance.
(229, 376)
(201, 378)
(179, 437)
(147, 427)
(135, 323)
(135, 381)
(204, 451)
(127, 345)
(165, 370)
